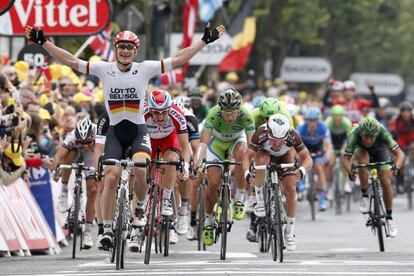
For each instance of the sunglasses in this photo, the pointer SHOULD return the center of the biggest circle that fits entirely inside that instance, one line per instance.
(160, 112)
(85, 142)
(276, 142)
(127, 46)
(230, 113)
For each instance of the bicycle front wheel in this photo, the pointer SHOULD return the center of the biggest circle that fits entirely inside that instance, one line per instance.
(75, 218)
(150, 226)
(166, 235)
(223, 221)
(377, 220)
(118, 231)
(200, 224)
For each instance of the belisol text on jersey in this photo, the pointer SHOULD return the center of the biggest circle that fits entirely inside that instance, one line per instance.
(123, 93)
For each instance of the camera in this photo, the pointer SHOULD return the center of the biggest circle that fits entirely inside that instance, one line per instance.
(8, 121)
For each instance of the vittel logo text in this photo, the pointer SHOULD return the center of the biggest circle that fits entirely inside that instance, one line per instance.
(54, 13)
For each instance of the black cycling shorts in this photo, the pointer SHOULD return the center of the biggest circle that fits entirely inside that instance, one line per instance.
(378, 154)
(124, 135)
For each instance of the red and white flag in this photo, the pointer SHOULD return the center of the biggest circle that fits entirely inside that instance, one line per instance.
(189, 23)
(101, 44)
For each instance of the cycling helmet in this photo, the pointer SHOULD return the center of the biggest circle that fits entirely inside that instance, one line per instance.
(195, 93)
(85, 130)
(269, 107)
(230, 99)
(184, 100)
(160, 99)
(312, 113)
(369, 126)
(406, 105)
(126, 36)
(336, 86)
(349, 85)
(338, 110)
(278, 126)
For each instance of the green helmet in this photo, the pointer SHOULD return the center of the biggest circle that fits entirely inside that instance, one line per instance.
(195, 93)
(369, 126)
(269, 107)
(337, 110)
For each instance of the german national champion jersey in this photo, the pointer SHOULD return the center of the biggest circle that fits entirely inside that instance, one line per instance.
(383, 138)
(125, 92)
(223, 131)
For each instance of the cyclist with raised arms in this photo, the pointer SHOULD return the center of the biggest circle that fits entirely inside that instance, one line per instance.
(371, 142)
(227, 130)
(317, 138)
(81, 140)
(277, 142)
(124, 84)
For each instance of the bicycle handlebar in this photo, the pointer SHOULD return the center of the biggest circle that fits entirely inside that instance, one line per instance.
(123, 163)
(223, 162)
(372, 165)
(276, 166)
(76, 166)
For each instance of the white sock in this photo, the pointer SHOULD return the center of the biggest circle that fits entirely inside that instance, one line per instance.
(259, 193)
(107, 224)
(239, 195)
(290, 224)
(88, 227)
(167, 193)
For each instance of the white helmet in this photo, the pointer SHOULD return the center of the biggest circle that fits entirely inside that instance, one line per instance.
(278, 126)
(85, 130)
(349, 85)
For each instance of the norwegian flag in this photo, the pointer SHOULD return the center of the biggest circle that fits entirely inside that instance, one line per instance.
(189, 22)
(101, 44)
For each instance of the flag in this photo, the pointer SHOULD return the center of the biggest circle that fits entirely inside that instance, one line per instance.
(189, 22)
(101, 44)
(172, 78)
(207, 8)
(243, 32)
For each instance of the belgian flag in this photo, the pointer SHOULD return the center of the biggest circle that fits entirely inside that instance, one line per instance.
(243, 32)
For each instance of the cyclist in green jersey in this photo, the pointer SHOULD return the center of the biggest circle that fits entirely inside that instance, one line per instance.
(339, 126)
(371, 142)
(269, 107)
(227, 130)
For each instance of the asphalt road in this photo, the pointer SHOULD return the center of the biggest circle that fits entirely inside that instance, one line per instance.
(331, 245)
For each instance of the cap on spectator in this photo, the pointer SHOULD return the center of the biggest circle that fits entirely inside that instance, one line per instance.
(44, 114)
(22, 69)
(232, 76)
(81, 97)
(55, 71)
(15, 157)
(44, 99)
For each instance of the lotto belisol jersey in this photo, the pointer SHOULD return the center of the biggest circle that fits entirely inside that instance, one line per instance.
(125, 92)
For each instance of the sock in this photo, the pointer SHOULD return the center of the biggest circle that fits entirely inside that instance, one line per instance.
(107, 225)
(239, 195)
(139, 209)
(259, 193)
(100, 228)
(364, 192)
(167, 193)
(64, 188)
(184, 207)
(88, 227)
(389, 214)
(209, 219)
(193, 218)
(290, 224)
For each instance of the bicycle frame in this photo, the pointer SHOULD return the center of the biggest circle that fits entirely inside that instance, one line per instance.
(76, 209)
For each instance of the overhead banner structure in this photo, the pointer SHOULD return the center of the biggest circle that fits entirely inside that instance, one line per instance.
(56, 17)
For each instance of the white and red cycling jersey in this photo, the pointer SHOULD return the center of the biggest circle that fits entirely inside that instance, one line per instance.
(175, 122)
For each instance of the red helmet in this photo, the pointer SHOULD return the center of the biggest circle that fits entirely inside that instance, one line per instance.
(160, 99)
(126, 36)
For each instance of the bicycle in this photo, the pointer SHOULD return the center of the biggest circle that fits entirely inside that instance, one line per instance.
(73, 222)
(225, 221)
(155, 222)
(376, 213)
(311, 192)
(122, 217)
(338, 185)
(270, 231)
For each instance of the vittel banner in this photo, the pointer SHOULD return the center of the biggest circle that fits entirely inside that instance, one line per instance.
(56, 17)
